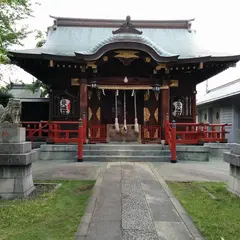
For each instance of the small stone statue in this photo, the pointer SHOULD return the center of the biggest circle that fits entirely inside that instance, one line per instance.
(12, 112)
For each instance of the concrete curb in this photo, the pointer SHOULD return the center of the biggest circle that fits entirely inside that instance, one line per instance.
(86, 219)
(180, 209)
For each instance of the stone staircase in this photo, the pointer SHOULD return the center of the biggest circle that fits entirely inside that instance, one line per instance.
(107, 152)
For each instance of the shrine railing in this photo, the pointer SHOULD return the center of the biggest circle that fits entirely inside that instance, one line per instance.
(151, 134)
(64, 131)
(199, 133)
(67, 132)
(35, 127)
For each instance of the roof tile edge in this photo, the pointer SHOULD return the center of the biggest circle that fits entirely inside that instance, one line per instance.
(115, 23)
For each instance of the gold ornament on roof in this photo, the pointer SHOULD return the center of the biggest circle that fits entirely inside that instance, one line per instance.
(105, 58)
(148, 59)
(126, 54)
(160, 66)
(92, 65)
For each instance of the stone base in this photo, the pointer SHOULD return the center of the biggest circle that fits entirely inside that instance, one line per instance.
(16, 157)
(12, 133)
(15, 181)
(233, 158)
(218, 149)
(234, 180)
(10, 148)
(192, 153)
(13, 195)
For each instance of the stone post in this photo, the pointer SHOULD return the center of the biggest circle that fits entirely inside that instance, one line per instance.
(233, 158)
(16, 157)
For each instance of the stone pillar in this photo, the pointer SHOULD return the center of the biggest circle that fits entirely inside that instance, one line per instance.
(233, 158)
(16, 157)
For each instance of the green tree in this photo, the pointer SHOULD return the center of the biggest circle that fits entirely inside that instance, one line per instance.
(40, 37)
(37, 84)
(11, 12)
(4, 96)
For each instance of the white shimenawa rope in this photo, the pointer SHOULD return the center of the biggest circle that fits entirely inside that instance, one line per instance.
(125, 117)
(136, 128)
(116, 113)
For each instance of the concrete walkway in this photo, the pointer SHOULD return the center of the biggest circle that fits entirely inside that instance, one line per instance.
(214, 170)
(131, 201)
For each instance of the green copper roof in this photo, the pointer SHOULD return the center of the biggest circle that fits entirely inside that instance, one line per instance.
(70, 41)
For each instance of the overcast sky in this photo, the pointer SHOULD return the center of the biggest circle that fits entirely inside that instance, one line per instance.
(216, 21)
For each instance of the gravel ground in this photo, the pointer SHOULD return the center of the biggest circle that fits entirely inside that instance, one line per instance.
(41, 188)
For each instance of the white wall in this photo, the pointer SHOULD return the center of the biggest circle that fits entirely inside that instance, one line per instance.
(227, 76)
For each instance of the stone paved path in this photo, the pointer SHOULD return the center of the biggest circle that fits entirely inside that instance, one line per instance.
(132, 202)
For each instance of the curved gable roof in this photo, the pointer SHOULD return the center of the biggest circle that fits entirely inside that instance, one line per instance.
(85, 37)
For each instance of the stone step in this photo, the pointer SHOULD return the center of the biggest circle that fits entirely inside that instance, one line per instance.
(123, 147)
(123, 151)
(104, 158)
(70, 148)
(126, 152)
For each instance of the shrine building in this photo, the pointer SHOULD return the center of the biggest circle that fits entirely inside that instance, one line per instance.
(125, 76)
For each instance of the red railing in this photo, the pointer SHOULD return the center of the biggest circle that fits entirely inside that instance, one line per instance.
(170, 135)
(67, 132)
(64, 131)
(195, 133)
(35, 127)
(199, 133)
(97, 134)
(151, 134)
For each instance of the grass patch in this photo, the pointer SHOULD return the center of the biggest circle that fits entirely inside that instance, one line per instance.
(216, 219)
(56, 218)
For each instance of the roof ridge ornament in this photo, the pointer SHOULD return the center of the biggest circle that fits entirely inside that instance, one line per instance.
(127, 27)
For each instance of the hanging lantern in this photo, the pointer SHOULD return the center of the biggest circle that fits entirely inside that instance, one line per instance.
(65, 106)
(177, 108)
(156, 89)
(125, 80)
(94, 84)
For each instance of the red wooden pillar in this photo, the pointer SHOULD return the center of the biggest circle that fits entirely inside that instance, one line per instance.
(194, 106)
(84, 125)
(165, 99)
(80, 141)
(174, 144)
(83, 105)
